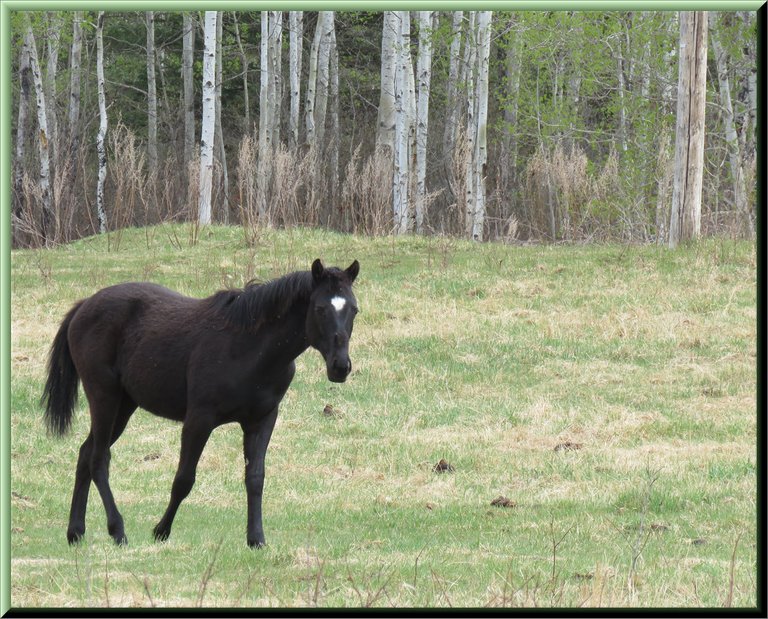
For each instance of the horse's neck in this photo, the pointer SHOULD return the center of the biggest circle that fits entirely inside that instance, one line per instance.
(286, 336)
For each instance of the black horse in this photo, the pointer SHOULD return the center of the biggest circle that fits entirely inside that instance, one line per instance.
(204, 362)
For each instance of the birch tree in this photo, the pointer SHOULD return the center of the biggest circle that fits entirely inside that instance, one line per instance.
(424, 72)
(151, 94)
(265, 119)
(42, 137)
(209, 119)
(275, 74)
(476, 208)
(187, 55)
(295, 40)
(731, 136)
(401, 180)
(385, 133)
(685, 218)
(101, 136)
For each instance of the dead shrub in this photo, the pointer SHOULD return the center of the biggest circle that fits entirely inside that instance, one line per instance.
(366, 195)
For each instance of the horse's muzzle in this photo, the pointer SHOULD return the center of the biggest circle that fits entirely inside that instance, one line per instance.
(338, 369)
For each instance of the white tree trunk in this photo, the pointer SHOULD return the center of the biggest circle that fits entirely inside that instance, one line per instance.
(470, 57)
(685, 218)
(731, 137)
(151, 94)
(101, 137)
(276, 73)
(265, 120)
(295, 25)
(323, 70)
(335, 130)
(188, 51)
(74, 82)
(385, 134)
(309, 107)
(401, 204)
(481, 150)
(209, 118)
(424, 73)
(452, 122)
(42, 138)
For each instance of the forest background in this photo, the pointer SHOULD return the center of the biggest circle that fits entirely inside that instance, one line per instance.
(580, 122)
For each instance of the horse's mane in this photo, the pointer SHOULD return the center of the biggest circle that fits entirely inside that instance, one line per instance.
(248, 308)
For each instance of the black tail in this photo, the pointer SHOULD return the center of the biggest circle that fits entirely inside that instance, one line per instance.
(60, 393)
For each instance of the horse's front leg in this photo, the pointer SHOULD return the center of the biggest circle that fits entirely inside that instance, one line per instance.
(194, 435)
(256, 435)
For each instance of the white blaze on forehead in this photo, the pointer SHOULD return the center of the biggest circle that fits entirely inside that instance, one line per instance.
(338, 303)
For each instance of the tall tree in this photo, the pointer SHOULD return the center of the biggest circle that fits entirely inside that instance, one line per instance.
(151, 93)
(43, 142)
(209, 118)
(685, 218)
(295, 39)
(424, 73)
(101, 136)
(401, 161)
(480, 152)
(55, 21)
(275, 73)
(187, 62)
(731, 137)
(385, 133)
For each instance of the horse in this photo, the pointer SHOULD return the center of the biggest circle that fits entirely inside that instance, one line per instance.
(205, 362)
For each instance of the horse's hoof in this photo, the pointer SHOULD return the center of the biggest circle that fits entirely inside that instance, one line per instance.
(256, 543)
(161, 534)
(120, 540)
(75, 536)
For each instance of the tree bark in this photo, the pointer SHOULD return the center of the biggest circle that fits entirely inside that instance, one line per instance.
(335, 139)
(209, 114)
(424, 72)
(385, 134)
(731, 137)
(309, 107)
(323, 70)
(276, 65)
(295, 25)
(101, 137)
(401, 205)
(44, 182)
(151, 94)
(265, 121)
(685, 218)
(188, 51)
(481, 150)
(470, 56)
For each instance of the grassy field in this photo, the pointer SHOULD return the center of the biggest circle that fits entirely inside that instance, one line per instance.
(607, 391)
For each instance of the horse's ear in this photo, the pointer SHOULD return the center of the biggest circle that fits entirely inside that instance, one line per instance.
(318, 270)
(352, 271)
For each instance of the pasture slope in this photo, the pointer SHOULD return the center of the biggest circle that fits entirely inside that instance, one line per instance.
(606, 391)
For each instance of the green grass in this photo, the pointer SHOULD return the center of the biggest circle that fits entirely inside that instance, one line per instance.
(489, 356)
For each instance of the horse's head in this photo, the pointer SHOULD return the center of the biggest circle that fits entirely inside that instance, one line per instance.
(332, 309)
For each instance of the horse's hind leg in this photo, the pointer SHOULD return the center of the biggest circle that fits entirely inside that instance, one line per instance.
(83, 475)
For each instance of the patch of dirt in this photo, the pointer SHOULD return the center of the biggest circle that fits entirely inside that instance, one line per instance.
(151, 456)
(329, 411)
